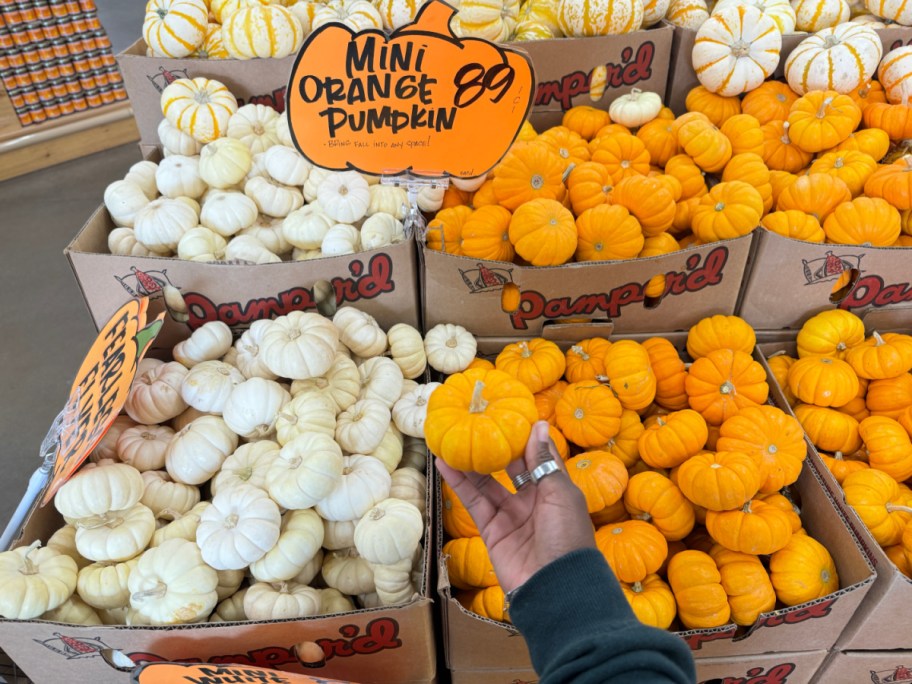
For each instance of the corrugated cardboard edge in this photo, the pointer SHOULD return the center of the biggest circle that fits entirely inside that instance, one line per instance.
(890, 596)
(878, 667)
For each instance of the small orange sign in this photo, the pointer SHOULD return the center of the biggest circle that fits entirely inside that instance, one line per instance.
(101, 386)
(420, 100)
(179, 673)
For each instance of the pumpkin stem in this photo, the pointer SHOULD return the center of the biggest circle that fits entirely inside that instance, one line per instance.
(660, 421)
(785, 134)
(524, 350)
(878, 340)
(478, 404)
(282, 587)
(827, 101)
(825, 575)
(169, 514)
(29, 568)
(644, 516)
(838, 456)
(567, 171)
(579, 351)
(893, 508)
(231, 521)
(637, 587)
(376, 513)
(156, 592)
(747, 506)
(727, 388)
(97, 521)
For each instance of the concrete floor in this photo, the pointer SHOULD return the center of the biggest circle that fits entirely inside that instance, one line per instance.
(44, 325)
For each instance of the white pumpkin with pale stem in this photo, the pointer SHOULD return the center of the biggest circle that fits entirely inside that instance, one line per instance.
(73, 611)
(489, 19)
(359, 331)
(122, 199)
(599, 17)
(182, 527)
(358, 16)
(307, 412)
(365, 482)
(99, 489)
(388, 199)
(314, 179)
(144, 446)
(780, 11)
(335, 602)
(268, 231)
(104, 585)
(64, 541)
(341, 383)
(255, 126)
(202, 245)
(410, 485)
(143, 174)
(160, 224)
(346, 571)
(167, 499)
(344, 196)
(393, 582)
(171, 585)
(406, 348)
(249, 464)
(122, 242)
(179, 176)
(735, 50)
(893, 74)
(842, 58)
(389, 451)
(225, 162)
(246, 248)
(305, 471)
(115, 535)
(199, 107)
(814, 15)
(240, 526)
(281, 601)
(207, 343)
(34, 581)
(306, 227)
(410, 411)
(635, 108)
(175, 28)
(360, 428)
(286, 165)
(381, 230)
(894, 10)
(300, 345)
(689, 14)
(341, 239)
(253, 406)
(389, 532)
(208, 385)
(197, 452)
(231, 609)
(414, 454)
(175, 141)
(249, 359)
(262, 31)
(300, 538)
(450, 348)
(273, 198)
(228, 212)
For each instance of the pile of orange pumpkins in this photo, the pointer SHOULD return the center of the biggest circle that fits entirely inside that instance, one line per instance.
(853, 395)
(685, 469)
(821, 167)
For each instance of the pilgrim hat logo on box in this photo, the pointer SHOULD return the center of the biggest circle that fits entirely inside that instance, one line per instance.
(830, 267)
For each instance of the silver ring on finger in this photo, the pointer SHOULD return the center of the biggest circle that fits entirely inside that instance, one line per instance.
(545, 469)
(521, 480)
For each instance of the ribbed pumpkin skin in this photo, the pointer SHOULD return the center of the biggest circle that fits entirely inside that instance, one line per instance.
(600, 476)
(873, 495)
(651, 601)
(802, 571)
(543, 232)
(578, 18)
(720, 481)
(262, 31)
(724, 382)
(175, 28)
(697, 586)
(633, 549)
(829, 429)
(747, 584)
(839, 58)
(199, 107)
(468, 563)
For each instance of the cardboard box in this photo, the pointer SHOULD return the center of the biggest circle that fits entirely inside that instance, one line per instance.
(879, 667)
(473, 643)
(563, 70)
(700, 281)
(382, 282)
(682, 77)
(791, 280)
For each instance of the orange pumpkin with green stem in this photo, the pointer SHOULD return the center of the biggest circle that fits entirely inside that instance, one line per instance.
(585, 360)
(851, 167)
(878, 501)
(634, 549)
(746, 583)
(468, 563)
(651, 601)
(607, 232)
(670, 440)
(543, 232)
(654, 498)
(757, 528)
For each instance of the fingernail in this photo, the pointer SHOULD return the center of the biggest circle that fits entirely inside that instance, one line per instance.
(542, 433)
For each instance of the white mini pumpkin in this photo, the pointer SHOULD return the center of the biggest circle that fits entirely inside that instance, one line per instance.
(358, 15)
(253, 406)
(178, 176)
(578, 18)
(167, 499)
(450, 348)
(338, 534)
(96, 490)
(249, 464)
(300, 537)
(314, 179)
(202, 245)
(364, 483)
(381, 230)
(410, 411)
(286, 165)
(389, 451)
(414, 454)
(122, 199)
(197, 452)
(255, 126)
(246, 248)
(268, 231)
(814, 15)
(143, 174)
(171, 584)
(155, 396)
(34, 581)
(346, 571)
(430, 198)
(281, 601)
(240, 526)
(635, 108)
(175, 141)
(334, 601)
(182, 527)
(389, 532)
(104, 585)
(299, 345)
(359, 331)
(273, 198)
(208, 385)
(841, 58)
(410, 485)
(893, 74)
(360, 428)
(305, 471)
(249, 360)
(175, 28)
(341, 383)
(178, 423)
(895, 11)
(225, 162)
(160, 224)
(381, 379)
(341, 239)
(231, 609)
(144, 446)
(306, 227)
(388, 199)
(311, 569)
(207, 343)
(122, 242)
(73, 611)
(393, 582)
(64, 541)
(115, 535)
(344, 196)
(406, 348)
(307, 412)
(229, 581)
(199, 107)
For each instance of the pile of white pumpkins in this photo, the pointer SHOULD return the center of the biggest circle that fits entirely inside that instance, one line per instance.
(231, 186)
(281, 475)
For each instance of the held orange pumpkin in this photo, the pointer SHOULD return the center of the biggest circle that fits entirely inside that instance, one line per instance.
(724, 382)
(480, 420)
(543, 232)
(633, 549)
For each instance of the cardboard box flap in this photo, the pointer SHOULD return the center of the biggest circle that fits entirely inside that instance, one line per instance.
(576, 332)
(898, 318)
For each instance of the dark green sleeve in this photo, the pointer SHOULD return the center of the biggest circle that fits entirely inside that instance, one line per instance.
(580, 628)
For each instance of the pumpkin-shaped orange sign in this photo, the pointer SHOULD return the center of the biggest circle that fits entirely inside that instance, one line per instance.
(420, 100)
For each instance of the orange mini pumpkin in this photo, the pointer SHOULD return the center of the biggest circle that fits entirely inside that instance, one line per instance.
(537, 363)
(822, 381)
(878, 501)
(882, 357)
(585, 120)
(629, 375)
(749, 167)
(803, 570)
(892, 183)
(743, 131)
(888, 445)
(468, 563)
(660, 140)
(689, 175)
(654, 498)
(488, 602)
(651, 601)
(779, 181)
(830, 333)
(697, 586)
(822, 119)
(600, 476)
(670, 373)
(829, 429)
(571, 147)
(720, 481)
(863, 221)
(456, 518)
(794, 224)
(670, 440)
(720, 332)
(633, 549)
(894, 120)
(649, 200)
(588, 185)
(607, 232)
(770, 101)
(840, 466)
(757, 528)
(622, 155)
(874, 142)
(625, 444)
(779, 363)
(746, 582)
(588, 414)
(818, 195)
(586, 359)
(889, 397)
(780, 153)
(717, 108)
(851, 167)
(546, 400)
(444, 232)
(530, 170)
(709, 148)
(543, 232)
(724, 382)
(730, 209)
(867, 94)
(486, 234)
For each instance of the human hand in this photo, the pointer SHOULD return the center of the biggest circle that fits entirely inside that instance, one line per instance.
(527, 530)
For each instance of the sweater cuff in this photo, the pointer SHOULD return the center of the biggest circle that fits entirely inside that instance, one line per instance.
(567, 597)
